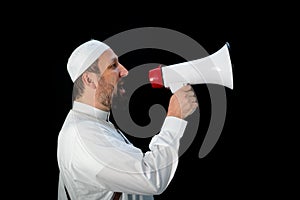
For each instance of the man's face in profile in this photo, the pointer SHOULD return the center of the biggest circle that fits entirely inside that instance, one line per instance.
(110, 84)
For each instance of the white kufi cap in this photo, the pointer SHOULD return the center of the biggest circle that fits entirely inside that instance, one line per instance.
(83, 56)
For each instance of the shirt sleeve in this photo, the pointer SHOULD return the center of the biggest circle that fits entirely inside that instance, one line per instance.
(108, 162)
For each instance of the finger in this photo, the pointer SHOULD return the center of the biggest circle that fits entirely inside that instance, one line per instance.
(190, 94)
(194, 107)
(193, 99)
(187, 88)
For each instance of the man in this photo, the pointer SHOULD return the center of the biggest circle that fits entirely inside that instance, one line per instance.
(96, 161)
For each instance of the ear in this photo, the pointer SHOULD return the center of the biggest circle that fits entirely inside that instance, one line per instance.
(89, 80)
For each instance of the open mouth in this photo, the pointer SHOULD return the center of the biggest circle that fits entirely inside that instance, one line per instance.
(121, 90)
(120, 99)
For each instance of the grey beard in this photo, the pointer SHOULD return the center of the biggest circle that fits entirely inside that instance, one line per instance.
(106, 99)
(105, 94)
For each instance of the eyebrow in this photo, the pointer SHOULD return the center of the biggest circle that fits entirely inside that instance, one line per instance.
(115, 59)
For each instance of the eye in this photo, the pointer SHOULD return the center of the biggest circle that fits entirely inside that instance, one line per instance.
(113, 65)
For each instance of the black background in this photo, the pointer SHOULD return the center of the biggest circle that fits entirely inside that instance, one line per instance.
(247, 159)
(204, 175)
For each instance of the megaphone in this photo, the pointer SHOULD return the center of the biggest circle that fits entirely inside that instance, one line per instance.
(213, 69)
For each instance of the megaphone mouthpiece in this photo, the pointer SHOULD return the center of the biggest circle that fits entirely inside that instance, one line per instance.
(155, 77)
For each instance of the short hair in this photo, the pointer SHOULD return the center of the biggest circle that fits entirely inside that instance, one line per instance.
(78, 86)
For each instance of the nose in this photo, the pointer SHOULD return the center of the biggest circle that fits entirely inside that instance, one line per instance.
(123, 71)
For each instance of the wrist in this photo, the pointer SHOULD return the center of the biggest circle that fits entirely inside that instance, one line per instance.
(173, 114)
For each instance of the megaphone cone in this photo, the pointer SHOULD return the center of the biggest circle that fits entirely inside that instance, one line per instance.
(213, 69)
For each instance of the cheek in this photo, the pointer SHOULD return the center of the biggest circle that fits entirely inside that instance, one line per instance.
(104, 87)
(111, 74)
(113, 78)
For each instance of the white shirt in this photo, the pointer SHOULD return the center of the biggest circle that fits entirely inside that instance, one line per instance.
(95, 160)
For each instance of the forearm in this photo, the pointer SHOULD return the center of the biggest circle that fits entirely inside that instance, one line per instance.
(151, 173)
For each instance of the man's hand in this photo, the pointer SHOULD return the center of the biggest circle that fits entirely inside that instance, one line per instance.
(183, 102)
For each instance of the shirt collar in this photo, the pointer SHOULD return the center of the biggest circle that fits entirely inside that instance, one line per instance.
(90, 110)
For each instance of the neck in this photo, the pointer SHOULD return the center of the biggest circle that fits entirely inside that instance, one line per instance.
(91, 101)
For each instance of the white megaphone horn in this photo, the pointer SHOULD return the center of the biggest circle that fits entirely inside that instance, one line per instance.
(213, 69)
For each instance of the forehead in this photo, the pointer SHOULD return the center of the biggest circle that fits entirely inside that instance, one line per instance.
(107, 58)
